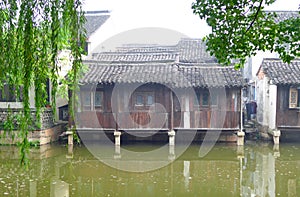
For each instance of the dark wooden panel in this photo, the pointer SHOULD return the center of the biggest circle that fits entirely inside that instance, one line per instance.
(284, 115)
(214, 119)
(288, 117)
(93, 119)
(143, 120)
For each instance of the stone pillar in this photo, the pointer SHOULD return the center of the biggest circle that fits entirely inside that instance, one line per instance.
(70, 152)
(276, 135)
(240, 152)
(171, 155)
(117, 154)
(117, 135)
(70, 137)
(240, 136)
(171, 135)
(276, 150)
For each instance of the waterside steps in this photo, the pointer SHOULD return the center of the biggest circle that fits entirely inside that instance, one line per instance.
(251, 130)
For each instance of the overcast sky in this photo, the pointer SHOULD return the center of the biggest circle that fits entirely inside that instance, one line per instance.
(171, 14)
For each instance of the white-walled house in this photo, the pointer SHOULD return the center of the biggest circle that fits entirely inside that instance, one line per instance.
(278, 96)
(95, 21)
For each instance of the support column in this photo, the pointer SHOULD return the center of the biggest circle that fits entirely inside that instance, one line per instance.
(70, 137)
(117, 154)
(117, 135)
(171, 155)
(240, 152)
(240, 136)
(276, 152)
(70, 152)
(171, 135)
(276, 136)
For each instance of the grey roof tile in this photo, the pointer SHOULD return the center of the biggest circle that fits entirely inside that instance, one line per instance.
(135, 56)
(186, 64)
(284, 15)
(94, 20)
(194, 50)
(282, 73)
(171, 74)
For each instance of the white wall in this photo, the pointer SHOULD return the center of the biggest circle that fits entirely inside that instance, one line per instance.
(272, 106)
(262, 101)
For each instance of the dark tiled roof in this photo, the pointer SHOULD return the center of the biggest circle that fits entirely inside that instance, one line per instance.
(284, 15)
(194, 50)
(146, 48)
(136, 57)
(139, 53)
(187, 50)
(174, 75)
(282, 73)
(211, 75)
(94, 20)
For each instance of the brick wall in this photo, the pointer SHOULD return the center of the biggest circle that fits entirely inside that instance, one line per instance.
(47, 118)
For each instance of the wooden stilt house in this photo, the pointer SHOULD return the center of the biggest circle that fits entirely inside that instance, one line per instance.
(160, 88)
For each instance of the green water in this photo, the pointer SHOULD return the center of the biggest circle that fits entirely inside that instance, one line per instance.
(254, 170)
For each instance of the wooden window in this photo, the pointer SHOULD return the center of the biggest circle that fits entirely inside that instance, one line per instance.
(139, 100)
(150, 99)
(98, 98)
(214, 99)
(205, 98)
(86, 100)
(197, 98)
(294, 98)
(144, 98)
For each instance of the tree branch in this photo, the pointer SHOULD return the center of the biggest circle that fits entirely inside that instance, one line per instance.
(255, 17)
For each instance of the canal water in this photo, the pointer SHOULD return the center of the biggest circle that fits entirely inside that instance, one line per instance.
(226, 170)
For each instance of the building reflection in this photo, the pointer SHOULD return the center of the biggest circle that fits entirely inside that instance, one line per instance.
(254, 170)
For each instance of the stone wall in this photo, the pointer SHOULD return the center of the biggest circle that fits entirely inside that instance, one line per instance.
(47, 120)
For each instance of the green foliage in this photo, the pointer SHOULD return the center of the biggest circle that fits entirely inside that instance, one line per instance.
(240, 28)
(32, 33)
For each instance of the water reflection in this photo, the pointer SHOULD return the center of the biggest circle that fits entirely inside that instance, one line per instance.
(228, 170)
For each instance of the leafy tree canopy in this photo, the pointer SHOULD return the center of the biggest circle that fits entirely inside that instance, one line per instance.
(240, 28)
(32, 32)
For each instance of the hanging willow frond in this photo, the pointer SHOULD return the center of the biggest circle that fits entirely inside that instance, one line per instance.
(32, 33)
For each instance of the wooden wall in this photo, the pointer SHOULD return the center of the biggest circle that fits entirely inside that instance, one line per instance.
(286, 117)
(226, 114)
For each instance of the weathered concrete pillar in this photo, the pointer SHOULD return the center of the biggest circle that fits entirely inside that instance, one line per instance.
(171, 135)
(171, 155)
(117, 135)
(241, 136)
(276, 136)
(70, 137)
(117, 154)
(276, 150)
(240, 152)
(70, 151)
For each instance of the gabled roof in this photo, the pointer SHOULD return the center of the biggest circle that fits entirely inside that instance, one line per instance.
(172, 74)
(186, 64)
(135, 57)
(139, 53)
(284, 15)
(194, 50)
(94, 20)
(281, 73)
(186, 51)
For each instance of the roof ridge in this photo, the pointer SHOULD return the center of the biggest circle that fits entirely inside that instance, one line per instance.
(94, 12)
(203, 65)
(282, 11)
(278, 59)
